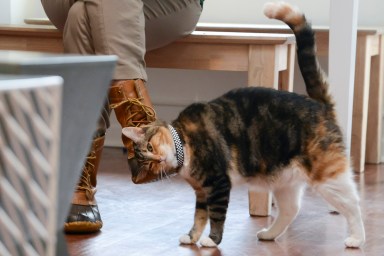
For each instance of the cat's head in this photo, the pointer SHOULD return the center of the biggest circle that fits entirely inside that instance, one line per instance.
(155, 153)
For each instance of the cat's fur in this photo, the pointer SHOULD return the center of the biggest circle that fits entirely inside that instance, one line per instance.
(273, 140)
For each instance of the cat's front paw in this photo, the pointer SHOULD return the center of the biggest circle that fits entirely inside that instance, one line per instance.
(352, 242)
(186, 239)
(264, 234)
(207, 242)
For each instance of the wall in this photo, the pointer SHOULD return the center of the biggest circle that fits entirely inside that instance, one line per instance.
(5, 11)
(247, 11)
(250, 11)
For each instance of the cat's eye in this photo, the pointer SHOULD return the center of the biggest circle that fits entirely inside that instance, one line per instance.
(149, 147)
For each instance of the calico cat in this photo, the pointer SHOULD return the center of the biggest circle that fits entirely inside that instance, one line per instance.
(272, 140)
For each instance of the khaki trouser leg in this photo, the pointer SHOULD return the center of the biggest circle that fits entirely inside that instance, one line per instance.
(126, 28)
(115, 27)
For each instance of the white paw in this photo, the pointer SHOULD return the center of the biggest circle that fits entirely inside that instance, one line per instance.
(207, 242)
(185, 239)
(264, 234)
(353, 242)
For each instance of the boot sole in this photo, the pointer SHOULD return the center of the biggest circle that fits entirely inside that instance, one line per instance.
(83, 227)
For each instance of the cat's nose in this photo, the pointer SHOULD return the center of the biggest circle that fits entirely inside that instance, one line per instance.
(161, 159)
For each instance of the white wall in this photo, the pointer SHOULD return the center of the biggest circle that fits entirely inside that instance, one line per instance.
(250, 11)
(5, 11)
(15, 11)
(21, 9)
(239, 11)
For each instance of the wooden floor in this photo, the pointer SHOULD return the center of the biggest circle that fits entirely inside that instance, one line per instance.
(148, 219)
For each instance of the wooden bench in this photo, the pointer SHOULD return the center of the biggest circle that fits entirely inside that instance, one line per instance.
(267, 57)
(368, 89)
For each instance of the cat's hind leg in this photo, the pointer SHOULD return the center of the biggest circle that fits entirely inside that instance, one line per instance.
(288, 200)
(341, 193)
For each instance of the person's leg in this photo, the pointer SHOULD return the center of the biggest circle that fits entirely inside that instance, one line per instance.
(117, 27)
(89, 28)
(156, 24)
(71, 17)
(165, 22)
(130, 28)
(57, 11)
(168, 20)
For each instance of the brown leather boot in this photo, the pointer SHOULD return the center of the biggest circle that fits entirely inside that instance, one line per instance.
(133, 107)
(84, 216)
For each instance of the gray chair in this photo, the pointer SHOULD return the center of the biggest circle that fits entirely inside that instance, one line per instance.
(86, 82)
(30, 113)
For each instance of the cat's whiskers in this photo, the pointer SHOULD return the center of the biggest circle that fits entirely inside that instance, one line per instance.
(163, 171)
(161, 174)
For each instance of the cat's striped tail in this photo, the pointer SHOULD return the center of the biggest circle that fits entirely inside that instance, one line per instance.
(316, 80)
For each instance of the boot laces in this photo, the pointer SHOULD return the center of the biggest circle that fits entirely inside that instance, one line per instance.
(150, 114)
(85, 183)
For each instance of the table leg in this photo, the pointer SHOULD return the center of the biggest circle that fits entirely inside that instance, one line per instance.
(375, 107)
(263, 71)
(287, 73)
(263, 66)
(360, 102)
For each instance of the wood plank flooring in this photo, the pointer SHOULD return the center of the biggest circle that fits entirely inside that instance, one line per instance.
(146, 220)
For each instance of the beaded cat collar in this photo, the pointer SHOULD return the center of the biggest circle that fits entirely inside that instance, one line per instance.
(178, 146)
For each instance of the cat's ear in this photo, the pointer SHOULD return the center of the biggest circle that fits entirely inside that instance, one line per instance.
(134, 133)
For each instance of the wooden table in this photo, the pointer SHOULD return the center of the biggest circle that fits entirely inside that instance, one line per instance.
(267, 57)
(368, 89)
